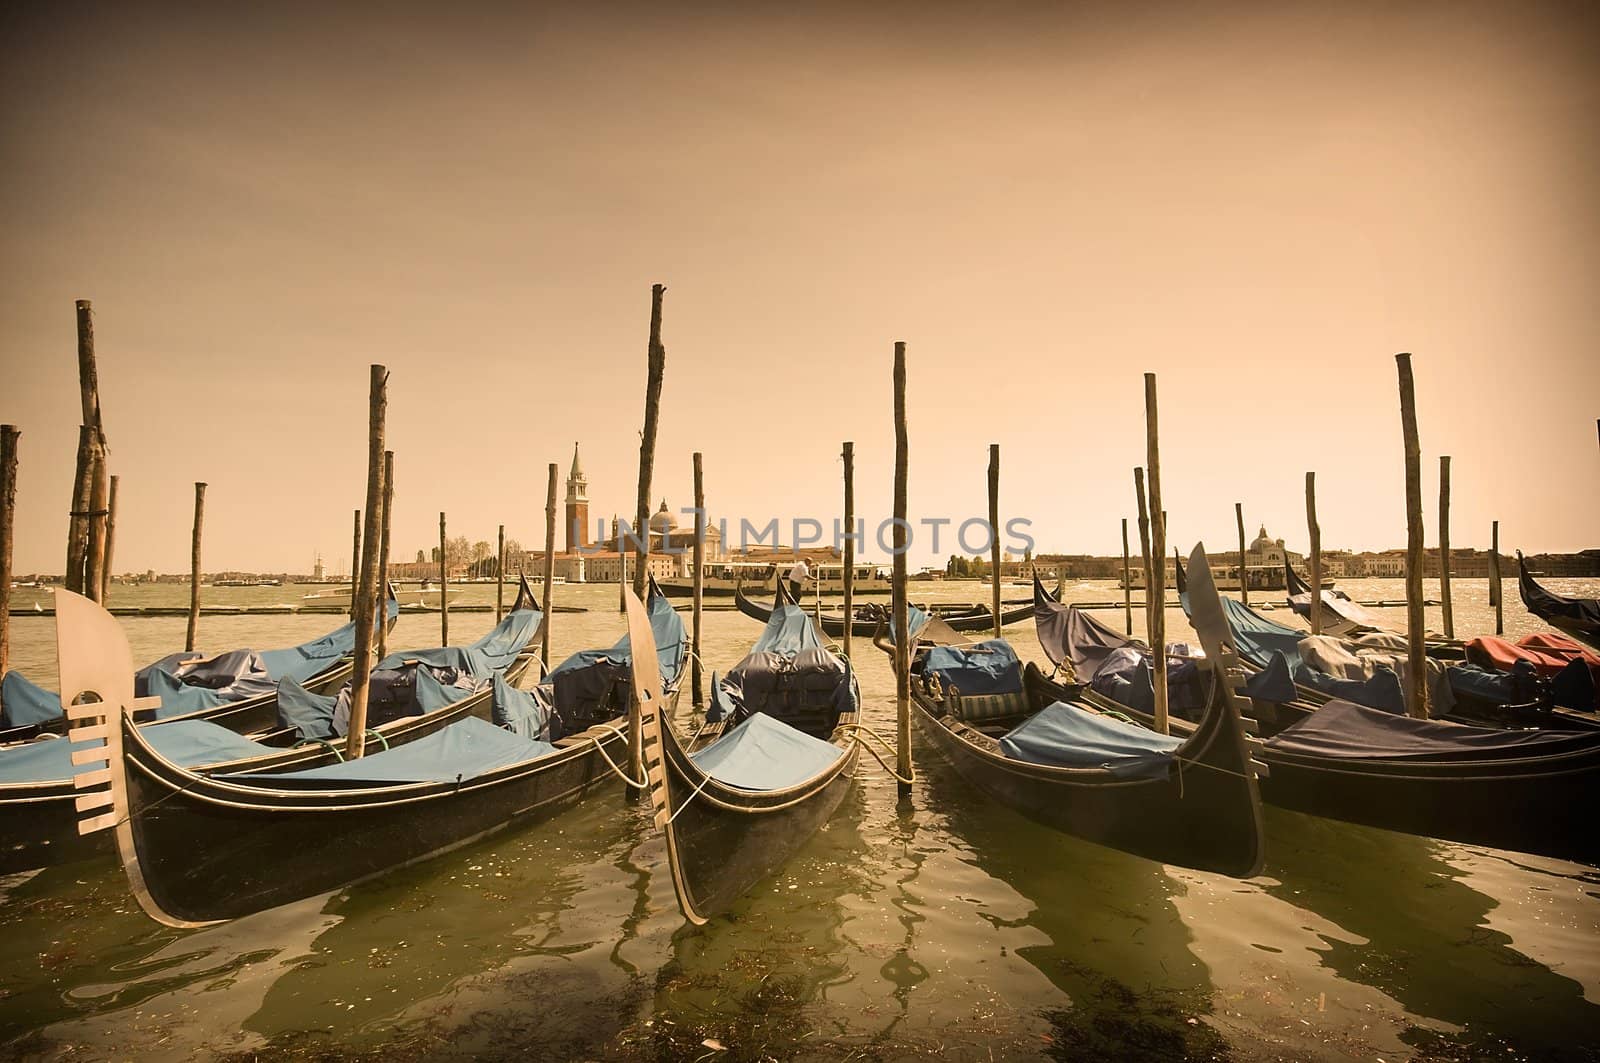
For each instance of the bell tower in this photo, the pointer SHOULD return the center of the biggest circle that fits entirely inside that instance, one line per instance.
(577, 505)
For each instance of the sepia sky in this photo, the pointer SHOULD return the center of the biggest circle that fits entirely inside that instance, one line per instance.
(1261, 203)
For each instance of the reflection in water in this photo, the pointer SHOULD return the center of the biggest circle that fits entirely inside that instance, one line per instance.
(1423, 933)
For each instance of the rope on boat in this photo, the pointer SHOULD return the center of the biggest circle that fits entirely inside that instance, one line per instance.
(704, 782)
(618, 772)
(856, 731)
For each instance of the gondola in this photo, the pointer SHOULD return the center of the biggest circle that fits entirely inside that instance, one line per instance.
(237, 690)
(1514, 789)
(1460, 692)
(964, 616)
(1578, 617)
(1038, 747)
(38, 824)
(774, 759)
(199, 849)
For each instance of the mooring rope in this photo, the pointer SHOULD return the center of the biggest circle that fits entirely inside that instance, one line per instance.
(601, 749)
(857, 729)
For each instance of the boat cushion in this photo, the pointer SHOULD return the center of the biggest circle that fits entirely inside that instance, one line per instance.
(978, 708)
(1064, 735)
(989, 667)
(462, 751)
(26, 704)
(762, 753)
(1344, 730)
(186, 742)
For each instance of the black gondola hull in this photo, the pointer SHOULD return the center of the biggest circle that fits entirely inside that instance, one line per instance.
(1205, 818)
(723, 841)
(210, 851)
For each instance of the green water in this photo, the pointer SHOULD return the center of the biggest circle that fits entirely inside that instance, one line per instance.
(944, 925)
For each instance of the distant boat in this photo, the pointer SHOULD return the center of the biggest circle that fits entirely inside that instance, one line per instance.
(263, 581)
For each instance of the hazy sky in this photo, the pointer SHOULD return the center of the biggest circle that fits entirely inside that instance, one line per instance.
(1260, 203)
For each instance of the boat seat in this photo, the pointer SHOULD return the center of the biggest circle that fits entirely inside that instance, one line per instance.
(975, 708)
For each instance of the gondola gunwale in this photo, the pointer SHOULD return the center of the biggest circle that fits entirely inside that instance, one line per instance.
(979, 618)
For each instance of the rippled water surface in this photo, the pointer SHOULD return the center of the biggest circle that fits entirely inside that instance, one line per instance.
(940, 925)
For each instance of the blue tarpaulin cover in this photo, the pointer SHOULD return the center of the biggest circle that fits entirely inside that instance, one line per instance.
(989, 667)
(916, 620)
(178, 698)
(766, 754)
(1345, 730)
(26, 703)
(464, 750)
(310, 714)
(672, 645)
(789, 630)
(1063, 735)
(520, 711)
(1274, 683)
(186, 742)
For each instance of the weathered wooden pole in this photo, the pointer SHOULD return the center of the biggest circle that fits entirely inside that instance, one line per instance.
(1494, 579)
(1416, 678)
(111, 541)
(1158, 553)
(695, 691)
(1244, 583)
(78, 523)
(657, 358)
(500, 579)
(355, 559)
(1144, 545)
(849, 587)
(622, 568)
(91, 450)
(364, 585)
(1127, 583)
(94, 568)
(902, 617)
(1315, 531)
(380, 594)
(194, 567)
(994, 533)
(10, 434)
(1444, 547)
(549, 564)
(444, 585)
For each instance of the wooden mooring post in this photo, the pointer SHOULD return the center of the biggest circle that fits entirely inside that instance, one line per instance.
(549, 564)
(444, 584)
(381, 592)
(1127, 583)
(365, 575)
(1144, 546)
(355, 559)
(111, 542)
(848, 454)
(994, 534)
(1495, 591)
(10, 436)
(500, 578)
(696, 681)
(194, 567)
(1244, 584)
(1158, 552)
(1416, 677)
(656, 358)
(902, 542)
(90, 466)
(1445, 601)
(94, 566)
(1315, 531)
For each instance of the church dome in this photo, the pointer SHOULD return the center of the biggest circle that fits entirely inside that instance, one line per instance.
(1263, 540)
(663, 520)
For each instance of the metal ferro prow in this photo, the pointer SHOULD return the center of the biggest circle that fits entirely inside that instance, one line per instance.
(1222, 656)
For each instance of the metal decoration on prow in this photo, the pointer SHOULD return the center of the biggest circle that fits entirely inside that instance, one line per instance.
(97, 693)
(1221, 655)
(644, 667)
